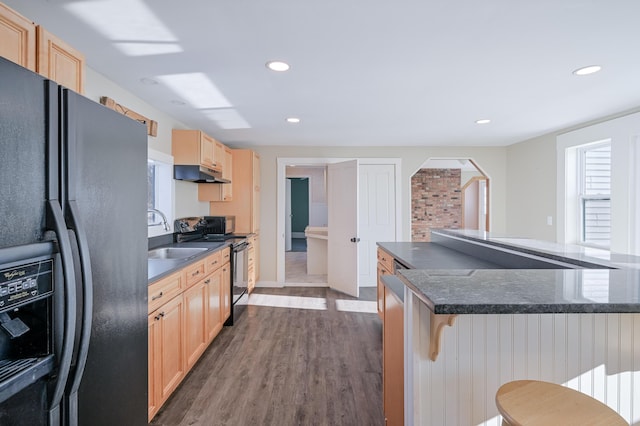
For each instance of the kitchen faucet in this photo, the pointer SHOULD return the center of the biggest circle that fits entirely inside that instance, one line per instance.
(165, 224)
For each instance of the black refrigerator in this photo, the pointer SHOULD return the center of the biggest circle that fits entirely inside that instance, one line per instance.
(73, 258)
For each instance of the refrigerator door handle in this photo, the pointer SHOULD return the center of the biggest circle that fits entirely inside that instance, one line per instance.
(87, 311)
(55, 222)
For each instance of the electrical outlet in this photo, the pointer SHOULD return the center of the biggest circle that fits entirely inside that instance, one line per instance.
(550, 220)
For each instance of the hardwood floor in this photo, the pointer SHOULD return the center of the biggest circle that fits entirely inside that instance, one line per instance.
(302, 363)
(296, 270)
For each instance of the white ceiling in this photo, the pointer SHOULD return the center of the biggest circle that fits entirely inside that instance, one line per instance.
(367, 72)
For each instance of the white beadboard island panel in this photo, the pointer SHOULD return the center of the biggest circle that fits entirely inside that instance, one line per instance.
(597, 354)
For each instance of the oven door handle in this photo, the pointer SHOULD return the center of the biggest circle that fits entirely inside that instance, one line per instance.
(240, 247)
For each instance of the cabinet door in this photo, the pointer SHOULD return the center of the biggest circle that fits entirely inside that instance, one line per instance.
(155, 350)
(225, 294)
(381, 271)
(172, 355)
(206, 151)
(256, 256)
(227, 173)
(255, 195)
(60, 62)
(393, 360)
(251, 268)
(17, 38)
(195, 327)
(218, 155)
(213, 284)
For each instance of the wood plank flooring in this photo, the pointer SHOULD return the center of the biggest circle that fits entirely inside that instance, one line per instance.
(287, 366)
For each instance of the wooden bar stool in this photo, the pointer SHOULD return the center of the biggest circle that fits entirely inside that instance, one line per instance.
(531, 403)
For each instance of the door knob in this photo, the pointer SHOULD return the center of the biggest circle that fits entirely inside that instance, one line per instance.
(355, 240)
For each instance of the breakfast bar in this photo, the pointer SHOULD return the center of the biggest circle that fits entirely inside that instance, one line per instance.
(486, 310)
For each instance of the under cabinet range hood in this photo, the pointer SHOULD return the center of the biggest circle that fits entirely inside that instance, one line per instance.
(198, 174)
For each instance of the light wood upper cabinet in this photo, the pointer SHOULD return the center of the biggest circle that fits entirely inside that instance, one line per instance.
(60, 62)
(35, 48)
(219, 191)
(17, 38)
(194, 147)
(245, 205)
(218, 154)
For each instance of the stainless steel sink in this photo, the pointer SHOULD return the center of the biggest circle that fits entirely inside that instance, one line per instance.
(175, 252)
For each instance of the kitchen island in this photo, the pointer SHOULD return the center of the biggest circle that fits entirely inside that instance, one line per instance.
(480, 311)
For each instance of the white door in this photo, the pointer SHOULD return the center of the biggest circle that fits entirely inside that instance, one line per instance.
(377, 219)
(287, 217)
(342, 262)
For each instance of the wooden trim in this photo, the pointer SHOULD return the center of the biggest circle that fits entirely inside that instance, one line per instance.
(488, 215)
(438, 321)
(152, 125)
(464, 187)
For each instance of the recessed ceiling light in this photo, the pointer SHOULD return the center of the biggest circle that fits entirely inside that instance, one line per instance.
(148, 81)
(587, 70)
(293, 120)
(278, 66)
(483, 121)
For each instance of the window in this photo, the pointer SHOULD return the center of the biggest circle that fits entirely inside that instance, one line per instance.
(160, 193)
(594, 196)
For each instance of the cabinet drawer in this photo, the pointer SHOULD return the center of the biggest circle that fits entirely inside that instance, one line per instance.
(213, 262)
(385, 259)
(195, 272)
(164, 290)
(226, 255)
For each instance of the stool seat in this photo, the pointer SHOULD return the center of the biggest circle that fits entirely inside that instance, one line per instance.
(532, 402)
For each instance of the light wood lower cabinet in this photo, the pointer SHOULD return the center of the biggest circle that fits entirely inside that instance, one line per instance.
(226, 292)
(186, 312)
(167, 354)
(196, 330)
(214, 295)
(393, 359)
(385, 267)
(251, 265)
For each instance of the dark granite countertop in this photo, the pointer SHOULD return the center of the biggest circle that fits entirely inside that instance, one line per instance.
(451, 282)
(510, 291)
(430, 256)
(551, 250)
(159, 268)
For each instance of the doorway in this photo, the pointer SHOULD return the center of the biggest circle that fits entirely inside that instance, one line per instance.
(395, 204)
(449, 193)
(306, 199)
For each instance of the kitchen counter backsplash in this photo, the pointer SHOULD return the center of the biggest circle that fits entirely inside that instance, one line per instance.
(161, 240)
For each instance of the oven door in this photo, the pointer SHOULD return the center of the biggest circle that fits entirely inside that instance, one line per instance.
(240, 276)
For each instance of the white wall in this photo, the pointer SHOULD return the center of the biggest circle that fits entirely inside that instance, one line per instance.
(531, 188)
(186, 193)
(492, 160)
(624, 134)
(532, 184)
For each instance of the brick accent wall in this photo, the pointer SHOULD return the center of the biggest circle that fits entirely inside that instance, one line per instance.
(436, 201)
